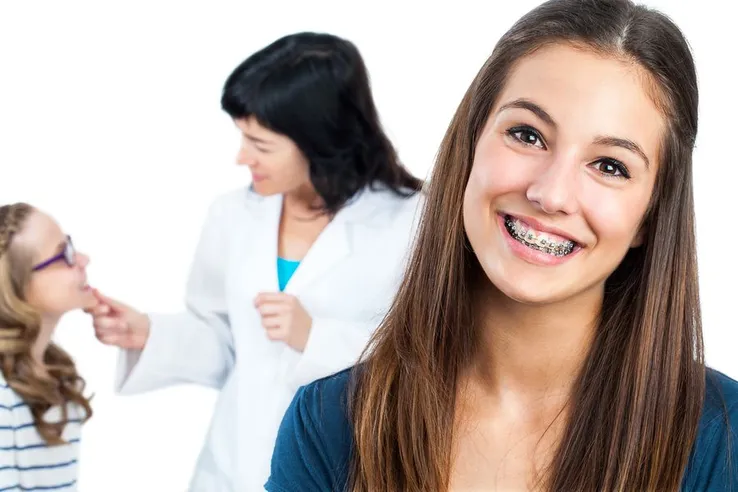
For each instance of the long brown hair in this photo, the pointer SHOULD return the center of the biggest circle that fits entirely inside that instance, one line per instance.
(20, 324)
(636, 404)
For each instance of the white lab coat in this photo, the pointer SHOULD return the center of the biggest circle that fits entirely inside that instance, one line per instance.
(346, 283)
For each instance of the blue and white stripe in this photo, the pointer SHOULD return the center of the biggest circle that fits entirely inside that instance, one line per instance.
(27, 463)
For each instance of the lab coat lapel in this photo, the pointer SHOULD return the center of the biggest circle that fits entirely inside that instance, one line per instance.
(332, 246)
(256, 251)
(253, 269)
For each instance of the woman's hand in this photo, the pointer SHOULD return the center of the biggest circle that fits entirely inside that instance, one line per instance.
(118, 324)
(284, 318)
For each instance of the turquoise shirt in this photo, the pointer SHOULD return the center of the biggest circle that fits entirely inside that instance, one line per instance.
(315, 442)
(285, 270)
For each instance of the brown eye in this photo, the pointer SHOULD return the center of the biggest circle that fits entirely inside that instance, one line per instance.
(527, 136)
(608, 168)
(612, 168)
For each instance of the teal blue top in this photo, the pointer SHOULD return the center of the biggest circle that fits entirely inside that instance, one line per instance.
(285, 270)
(315, 442)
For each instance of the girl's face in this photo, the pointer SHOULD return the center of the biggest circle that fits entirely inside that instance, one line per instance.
(58, 283)
(563, 174)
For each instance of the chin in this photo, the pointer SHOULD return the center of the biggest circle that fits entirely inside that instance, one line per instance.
(528, 285)
(529, 293)
(86, 300)
(263, 190)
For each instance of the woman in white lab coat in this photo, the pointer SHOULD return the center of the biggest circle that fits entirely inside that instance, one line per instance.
(292, 274)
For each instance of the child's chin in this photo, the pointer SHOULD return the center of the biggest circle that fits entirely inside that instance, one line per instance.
(88, 300)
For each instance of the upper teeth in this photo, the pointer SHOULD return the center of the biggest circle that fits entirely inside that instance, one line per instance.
(538, 240)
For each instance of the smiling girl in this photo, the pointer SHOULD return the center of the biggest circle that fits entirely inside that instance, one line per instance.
(547, 335)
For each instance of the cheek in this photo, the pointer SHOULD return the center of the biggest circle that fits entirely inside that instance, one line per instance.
(54, 293)
(289, 167)
(492, 175)
(615, 216)
(497, 170)
(507, 169)
(299, 165)
(478, 190)
(40, 294)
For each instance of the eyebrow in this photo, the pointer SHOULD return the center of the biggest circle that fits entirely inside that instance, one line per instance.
(257, 139)
(601, 140)
(532, 107)
(624, 144)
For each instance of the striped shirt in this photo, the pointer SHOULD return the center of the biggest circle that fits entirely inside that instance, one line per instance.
(27, 463)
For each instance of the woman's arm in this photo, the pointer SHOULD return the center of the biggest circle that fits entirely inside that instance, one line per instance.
(195, 346)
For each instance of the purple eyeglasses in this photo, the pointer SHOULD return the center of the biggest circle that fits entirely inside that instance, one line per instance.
(68, 255)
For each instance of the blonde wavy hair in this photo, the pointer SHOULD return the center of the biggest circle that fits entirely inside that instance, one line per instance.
(55, 382)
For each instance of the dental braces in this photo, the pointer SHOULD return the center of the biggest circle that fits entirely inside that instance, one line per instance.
(540, 244)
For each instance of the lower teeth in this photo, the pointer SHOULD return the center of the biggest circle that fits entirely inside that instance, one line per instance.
(551, 248)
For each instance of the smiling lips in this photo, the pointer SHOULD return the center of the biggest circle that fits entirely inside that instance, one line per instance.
(543, 241)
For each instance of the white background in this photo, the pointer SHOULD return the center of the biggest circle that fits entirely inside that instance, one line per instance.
(110, 120)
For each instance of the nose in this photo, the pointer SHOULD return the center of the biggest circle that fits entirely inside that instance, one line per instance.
(554, 190)
(82, 260)
(245, 156)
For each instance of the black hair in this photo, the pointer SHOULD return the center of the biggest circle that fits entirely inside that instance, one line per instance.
(314, 88)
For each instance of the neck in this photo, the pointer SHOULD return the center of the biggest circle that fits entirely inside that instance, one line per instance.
(532, 353)
(43, 340)
(302, 202)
